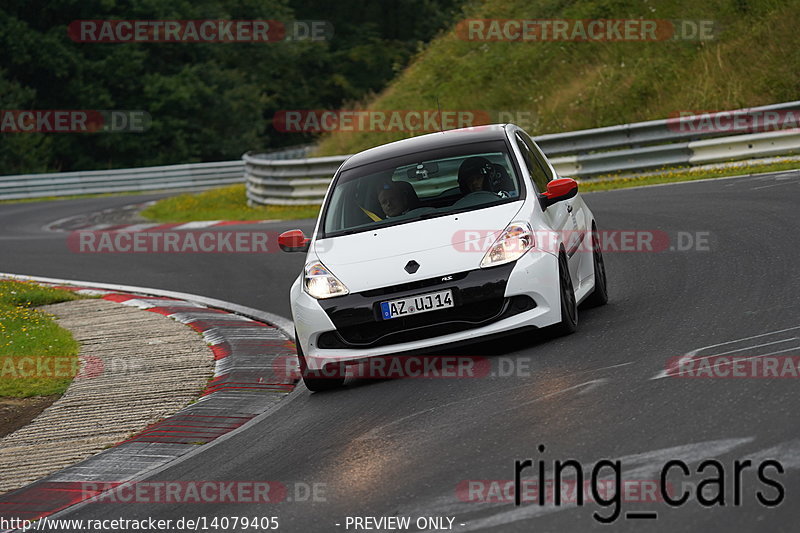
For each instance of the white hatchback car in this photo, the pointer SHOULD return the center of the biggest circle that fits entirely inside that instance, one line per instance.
(436, 240)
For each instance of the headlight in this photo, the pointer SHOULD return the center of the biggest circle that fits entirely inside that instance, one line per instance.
(320, 283)
(512, 244)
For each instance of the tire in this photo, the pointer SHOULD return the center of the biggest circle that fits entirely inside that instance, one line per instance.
(599, 295)
(319, 380)
(569, 305)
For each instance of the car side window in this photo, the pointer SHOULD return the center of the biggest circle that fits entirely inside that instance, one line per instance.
(538, 156)
(535, 168)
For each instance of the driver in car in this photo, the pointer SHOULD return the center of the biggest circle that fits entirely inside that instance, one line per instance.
(473, 175)
(394, 199)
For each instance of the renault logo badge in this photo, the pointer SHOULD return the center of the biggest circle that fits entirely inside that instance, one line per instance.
(412, 266)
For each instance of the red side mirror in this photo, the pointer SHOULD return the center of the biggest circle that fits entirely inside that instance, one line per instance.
(293, 241)
(560, 189)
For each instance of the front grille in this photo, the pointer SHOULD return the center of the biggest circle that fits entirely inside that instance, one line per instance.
(478, 295)
(417, 327)
(463, 316)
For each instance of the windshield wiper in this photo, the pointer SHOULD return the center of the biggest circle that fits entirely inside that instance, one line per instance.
(345, 232)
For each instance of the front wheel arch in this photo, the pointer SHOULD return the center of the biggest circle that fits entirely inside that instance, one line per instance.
(567, 300)
(599, 295)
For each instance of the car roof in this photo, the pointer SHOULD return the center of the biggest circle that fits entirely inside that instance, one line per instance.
(431, 141)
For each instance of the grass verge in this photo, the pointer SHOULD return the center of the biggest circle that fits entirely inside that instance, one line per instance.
(37, 357)
(229, 203)
(224, 203)
(555, 85)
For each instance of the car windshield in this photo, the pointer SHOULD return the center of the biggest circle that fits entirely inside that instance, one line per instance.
(405, 189)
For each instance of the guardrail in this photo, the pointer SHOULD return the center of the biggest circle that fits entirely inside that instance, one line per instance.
(192, 176)
(288, 182)
(626, 148)
(183, 177)
(718, 150)
(289, 177)
(669, 130)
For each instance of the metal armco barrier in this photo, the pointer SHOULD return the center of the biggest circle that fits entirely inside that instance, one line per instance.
(291, 181)
(289, 177)
(188, 176)
(125, 180)
(679, 141)
(669, 130)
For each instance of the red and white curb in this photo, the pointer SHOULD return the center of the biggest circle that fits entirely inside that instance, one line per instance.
(245, 387)
(284, 324)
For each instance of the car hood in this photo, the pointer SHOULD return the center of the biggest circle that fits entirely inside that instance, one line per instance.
(441, 246)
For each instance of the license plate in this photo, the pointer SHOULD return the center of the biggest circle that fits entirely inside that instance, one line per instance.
(414, 305)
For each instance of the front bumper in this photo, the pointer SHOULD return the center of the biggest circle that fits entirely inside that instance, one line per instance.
(488, 302)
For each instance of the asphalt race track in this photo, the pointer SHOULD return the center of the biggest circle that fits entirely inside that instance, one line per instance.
(403, 446)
